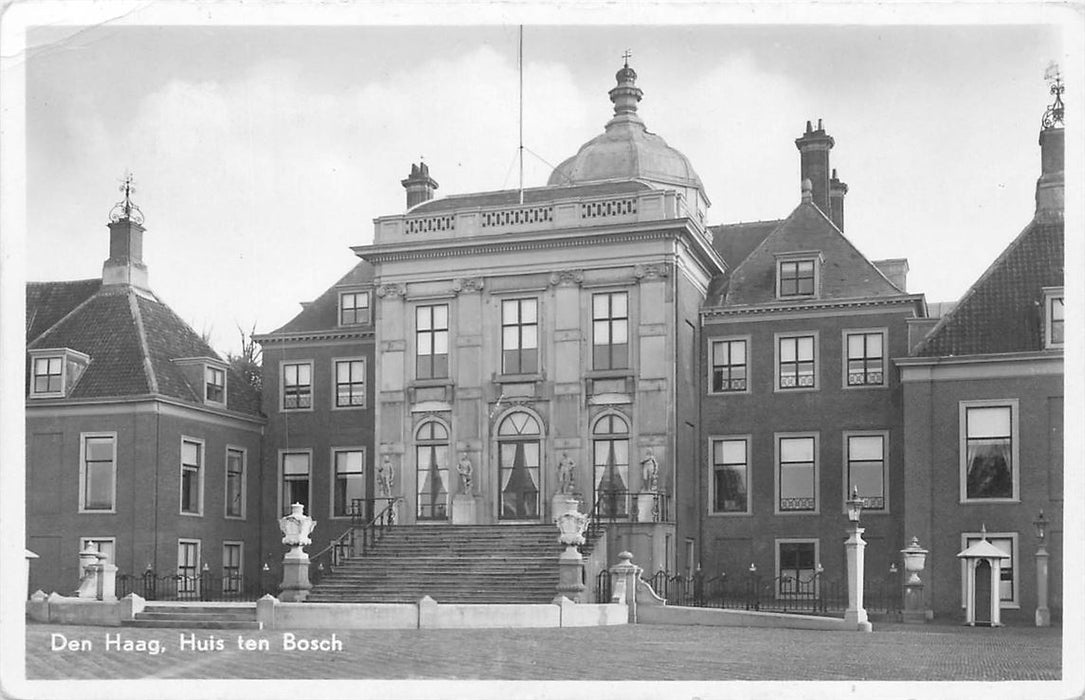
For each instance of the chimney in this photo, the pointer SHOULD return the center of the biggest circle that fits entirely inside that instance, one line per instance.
(837, 190)
(419, 185)
(1050, 194)
(814, 147)
(125, 262)
(895, 270)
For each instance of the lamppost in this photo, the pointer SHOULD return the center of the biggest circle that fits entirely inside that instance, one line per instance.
(855, 614)
(1043, 615)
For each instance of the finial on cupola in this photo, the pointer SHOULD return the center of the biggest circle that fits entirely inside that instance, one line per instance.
(126, 209)
(125, 263)
(625, 95)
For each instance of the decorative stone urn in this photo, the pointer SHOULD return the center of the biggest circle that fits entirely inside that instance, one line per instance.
(915, 559)
(571, 525)
(296, 529)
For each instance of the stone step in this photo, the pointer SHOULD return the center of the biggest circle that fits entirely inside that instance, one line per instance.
(196, 616)
(195, 624)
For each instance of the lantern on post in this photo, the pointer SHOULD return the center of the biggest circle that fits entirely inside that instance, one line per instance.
(855, 545)
(1043, 614)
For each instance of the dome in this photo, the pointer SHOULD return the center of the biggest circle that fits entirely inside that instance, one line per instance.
(626, 149)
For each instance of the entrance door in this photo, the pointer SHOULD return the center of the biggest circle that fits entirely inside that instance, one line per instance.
(519, 457)
(983, 592)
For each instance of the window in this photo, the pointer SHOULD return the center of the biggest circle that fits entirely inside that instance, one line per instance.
(297, 386)
(295, 480)
(350, 383)
(796, 568)
(353, 308)
(215, 383)
(431, 461)
(191, 477)
(795, 362)
(48, 376)
(98, 472)
(796, 459)
(232, 558)
(989, 452)
(610, 450)
(729, 370)
(348, 489)
(431, 337)
(103, 545)
(1007, 585)
(730, 475)
(865, 464)
(519, 455)
(796, 278)
(1055, 317)
(235, 482)
(188, 568)
(865, 358)
(610, 330)
(519, 336)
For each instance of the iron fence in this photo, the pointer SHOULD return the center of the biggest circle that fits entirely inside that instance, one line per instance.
(205, 586)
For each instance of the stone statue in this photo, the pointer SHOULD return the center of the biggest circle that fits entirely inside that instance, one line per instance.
(649, 471)
(465, 470)
(385, 477)
(567, 474)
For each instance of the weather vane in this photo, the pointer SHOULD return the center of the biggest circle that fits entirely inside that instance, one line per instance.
(1054, 113)
(126, 209)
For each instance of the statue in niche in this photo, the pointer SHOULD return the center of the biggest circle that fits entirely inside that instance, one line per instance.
(385, 477)
(567, 474)
(465, 470)
(649, 471)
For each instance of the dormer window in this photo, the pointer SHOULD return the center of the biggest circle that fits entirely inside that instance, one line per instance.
(1054, 317)
(353, 308)
(797, 275)
(54, 372)
(214, 384)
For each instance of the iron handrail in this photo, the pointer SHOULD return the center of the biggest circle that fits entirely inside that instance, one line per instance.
(345, 545)
(374, 529)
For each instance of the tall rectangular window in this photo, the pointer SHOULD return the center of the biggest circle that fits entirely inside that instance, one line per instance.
(350, 383)
(866, 469)
(796, 362)
(232, 558)
(796, 566)
(188, 567)
(730, 476)
(235, 483)
(297, 386)
(349, 485)
(519, 336)
(729, 370)
(191, 477)
(295, 480)
(431, 341)
(215, 381)
(796, 278)
(797, 473)
(610, 330)
(98, 472)
(353, 308)
(990, 469)
(48, 375)
(866, 363)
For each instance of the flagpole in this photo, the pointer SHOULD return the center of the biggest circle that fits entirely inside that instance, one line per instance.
(520, 66)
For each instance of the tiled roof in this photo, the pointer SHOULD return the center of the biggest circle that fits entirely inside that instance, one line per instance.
(845, 273)
(1002, 311)
(735, 241)
(533, 195)
(322, 313)
(131, 340)
(48, 302)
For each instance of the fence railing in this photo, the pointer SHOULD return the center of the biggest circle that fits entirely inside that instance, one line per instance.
(204, 586)
(357, 539)
(812, 594)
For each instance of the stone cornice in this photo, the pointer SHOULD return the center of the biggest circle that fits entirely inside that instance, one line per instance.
(329, 334)
(809, 305)
(142, 403)
(991, 366)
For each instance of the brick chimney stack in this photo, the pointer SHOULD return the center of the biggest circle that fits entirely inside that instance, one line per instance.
(814, 147)
(1050, 192)
(419, 185)
(837, 190)
(125, 263)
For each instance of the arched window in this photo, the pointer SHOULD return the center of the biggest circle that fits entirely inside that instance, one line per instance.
(519, 455)
(610, 455)
(431, 462)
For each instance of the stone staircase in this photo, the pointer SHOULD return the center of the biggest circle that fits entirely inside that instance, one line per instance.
(451, 564)
(222, 616)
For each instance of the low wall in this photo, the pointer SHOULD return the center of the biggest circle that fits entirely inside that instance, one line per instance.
(676, 615)
(375, 616)
(66, 610)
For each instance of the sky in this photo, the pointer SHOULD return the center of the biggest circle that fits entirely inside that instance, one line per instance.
(262, 153)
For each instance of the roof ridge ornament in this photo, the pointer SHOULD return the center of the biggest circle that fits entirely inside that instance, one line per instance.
(1053, 115)
(126, 209)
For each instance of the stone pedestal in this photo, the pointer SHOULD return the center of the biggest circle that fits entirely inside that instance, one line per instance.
(646, 502)
(571, 575)
(107, 582)
(88, 573)
(856, 613)
(914, 613)
(1043, 614)
(295, 586)
(464, 509)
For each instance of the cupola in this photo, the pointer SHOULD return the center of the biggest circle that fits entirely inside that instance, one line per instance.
(125, 263)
